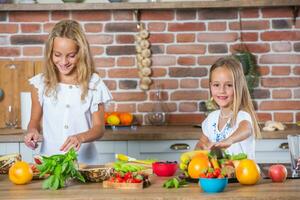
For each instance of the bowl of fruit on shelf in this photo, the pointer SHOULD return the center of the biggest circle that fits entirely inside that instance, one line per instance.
(164, 168)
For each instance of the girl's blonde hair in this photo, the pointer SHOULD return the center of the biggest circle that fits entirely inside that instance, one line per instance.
(85, 65)
(242, 98)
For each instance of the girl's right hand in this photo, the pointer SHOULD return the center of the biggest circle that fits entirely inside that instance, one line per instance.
(31, 139)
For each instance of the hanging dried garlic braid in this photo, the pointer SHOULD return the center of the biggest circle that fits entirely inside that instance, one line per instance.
(143, 56)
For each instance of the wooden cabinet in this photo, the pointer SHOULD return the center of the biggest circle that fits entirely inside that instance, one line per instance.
(14, 77)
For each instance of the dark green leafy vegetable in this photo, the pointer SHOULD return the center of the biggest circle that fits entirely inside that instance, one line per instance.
(61, 168)
(174, 183)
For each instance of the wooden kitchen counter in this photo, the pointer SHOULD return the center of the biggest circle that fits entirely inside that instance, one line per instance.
(152, 133)
(264, 190)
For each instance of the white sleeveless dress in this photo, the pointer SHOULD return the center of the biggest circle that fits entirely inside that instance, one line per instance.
(210, 130)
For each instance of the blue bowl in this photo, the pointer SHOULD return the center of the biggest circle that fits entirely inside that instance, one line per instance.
(213, 185)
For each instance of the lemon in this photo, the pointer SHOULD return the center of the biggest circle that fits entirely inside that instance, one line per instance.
(113, 120)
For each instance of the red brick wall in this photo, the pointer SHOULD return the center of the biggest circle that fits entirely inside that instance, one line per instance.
(184, 45)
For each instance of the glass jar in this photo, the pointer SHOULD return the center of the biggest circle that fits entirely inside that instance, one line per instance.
(11, 120)
(158, 115)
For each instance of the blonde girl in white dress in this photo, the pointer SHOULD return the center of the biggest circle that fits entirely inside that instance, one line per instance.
(68, 97)
(233, 126)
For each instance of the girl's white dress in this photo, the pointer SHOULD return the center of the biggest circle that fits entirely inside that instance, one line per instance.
(210, 130)
(68, 115)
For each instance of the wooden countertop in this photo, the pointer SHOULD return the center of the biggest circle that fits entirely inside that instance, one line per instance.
(184, 4)
(152, 133)
(265, 189)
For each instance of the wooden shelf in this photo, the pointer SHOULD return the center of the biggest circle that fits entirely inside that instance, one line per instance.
(187, 132)
(150, 5)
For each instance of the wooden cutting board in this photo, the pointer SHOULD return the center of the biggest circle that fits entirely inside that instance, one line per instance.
(109, 184)
(14, 77)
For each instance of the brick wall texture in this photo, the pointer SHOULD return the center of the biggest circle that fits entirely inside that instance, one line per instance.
(184, 44)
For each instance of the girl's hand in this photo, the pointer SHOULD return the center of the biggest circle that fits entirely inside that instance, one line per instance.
(31, 139)
(71, 142)
(224, 144)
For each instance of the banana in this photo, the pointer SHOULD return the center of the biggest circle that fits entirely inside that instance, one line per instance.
(183, 166)
(121, 157)
(187, 156)
(185, 159)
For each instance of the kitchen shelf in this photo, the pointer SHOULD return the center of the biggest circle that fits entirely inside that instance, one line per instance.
(149, 5)
(171, 132)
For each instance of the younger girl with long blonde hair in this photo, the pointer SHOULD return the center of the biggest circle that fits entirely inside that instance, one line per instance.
(234, 125)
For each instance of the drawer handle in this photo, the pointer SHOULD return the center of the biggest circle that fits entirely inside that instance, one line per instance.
(284, 145)
(180, 146)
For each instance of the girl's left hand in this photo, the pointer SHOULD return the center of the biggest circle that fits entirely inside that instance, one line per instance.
(71, 142)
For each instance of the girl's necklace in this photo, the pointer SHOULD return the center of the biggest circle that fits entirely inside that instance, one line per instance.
(225, 116)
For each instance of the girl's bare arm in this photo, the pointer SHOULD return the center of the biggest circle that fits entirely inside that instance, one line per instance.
(33, 128)
(243, 131)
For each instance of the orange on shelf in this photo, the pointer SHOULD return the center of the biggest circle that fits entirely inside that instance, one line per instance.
(126, 118)
(115, 113)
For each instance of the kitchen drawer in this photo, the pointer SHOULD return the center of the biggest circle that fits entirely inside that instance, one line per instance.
(270, 151)
(267, 151)
(269, 144)
(9, 148)
(160, 149)
(107, 150)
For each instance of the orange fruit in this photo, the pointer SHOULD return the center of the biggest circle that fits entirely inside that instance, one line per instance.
(197, 165)
(105, 117)
(126, 118)
(115, 113)
(200, 155)
(20, 173)
(113, 120)
(247, 172)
